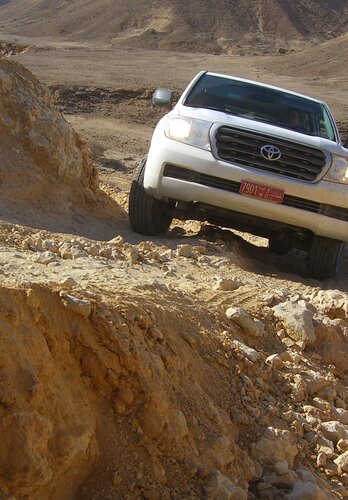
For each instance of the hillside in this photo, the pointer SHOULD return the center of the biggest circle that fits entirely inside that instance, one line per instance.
(236, 26)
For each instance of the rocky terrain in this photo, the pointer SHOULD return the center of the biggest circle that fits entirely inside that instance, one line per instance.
(192, 365)
(187, 366)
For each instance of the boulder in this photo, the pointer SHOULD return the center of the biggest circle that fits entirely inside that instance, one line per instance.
(275, 446)
(342, 462)
(247, 351)
(332, 345)
(238, 315)
(297, 321)
(334, 430)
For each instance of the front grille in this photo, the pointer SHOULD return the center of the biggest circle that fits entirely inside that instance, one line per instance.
(233, 187)
(244, 148)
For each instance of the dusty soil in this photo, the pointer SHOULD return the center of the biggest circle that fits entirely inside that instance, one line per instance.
(122, 376)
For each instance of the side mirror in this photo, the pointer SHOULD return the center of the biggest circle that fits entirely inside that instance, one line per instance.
(162, 97)
(345, 144)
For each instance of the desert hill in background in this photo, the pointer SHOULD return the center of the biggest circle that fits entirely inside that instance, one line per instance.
(222, 26)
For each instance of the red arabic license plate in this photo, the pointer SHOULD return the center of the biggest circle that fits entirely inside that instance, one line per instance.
(259, 191)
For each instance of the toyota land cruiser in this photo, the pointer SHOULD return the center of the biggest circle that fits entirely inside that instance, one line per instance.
(252, 157)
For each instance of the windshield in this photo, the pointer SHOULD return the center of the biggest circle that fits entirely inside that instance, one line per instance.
(263, 104)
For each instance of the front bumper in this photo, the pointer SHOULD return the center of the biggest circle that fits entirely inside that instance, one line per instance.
(168, 152)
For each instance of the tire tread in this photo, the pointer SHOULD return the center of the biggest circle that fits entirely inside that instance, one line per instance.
(146, 214)
(324, 257)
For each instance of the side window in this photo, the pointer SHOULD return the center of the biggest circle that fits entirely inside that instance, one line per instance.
(326, 128)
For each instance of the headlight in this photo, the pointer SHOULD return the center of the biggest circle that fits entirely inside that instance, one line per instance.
(188, 130)
(338, 171)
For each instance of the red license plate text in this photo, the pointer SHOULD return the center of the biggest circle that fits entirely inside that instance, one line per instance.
(263, 192)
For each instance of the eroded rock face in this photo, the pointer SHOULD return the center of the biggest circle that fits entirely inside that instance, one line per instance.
(67, 369)
(47, 424)
(42, 160)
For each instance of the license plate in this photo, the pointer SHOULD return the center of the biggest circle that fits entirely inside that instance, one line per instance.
(263, 192)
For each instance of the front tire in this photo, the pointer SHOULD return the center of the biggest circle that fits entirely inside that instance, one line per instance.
(324, 257)
(147, 215)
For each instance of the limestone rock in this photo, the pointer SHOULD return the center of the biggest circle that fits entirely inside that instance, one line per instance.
(332, 302)
(314, 381)
(248, 352)
(275, 446)
(332, 345)
(341, 415)
(45, 258)
(78, 306)
(342, 462)
(238, 315)
(334, 430)
(275, 361)
(297, 321)
(227, 284)
(321, 459)
(325, 445)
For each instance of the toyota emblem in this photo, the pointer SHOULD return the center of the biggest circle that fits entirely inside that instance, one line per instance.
(271, 152)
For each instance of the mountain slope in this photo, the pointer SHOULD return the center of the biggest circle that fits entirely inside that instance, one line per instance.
(196, 24)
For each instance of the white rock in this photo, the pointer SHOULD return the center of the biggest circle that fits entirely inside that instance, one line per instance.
(332, 300)
(281, 334)
(219, 487)
(306, 491)
(226, 284)
(321, 459)
(275, 446)
(268, 298)
(334, 430)
(325, 445)
(248, 352)
(78, 306)
(45, 258)
(275, 361)
(314, 381)
(342, 462)
(68, 281)
(297, 321)
(238, 315)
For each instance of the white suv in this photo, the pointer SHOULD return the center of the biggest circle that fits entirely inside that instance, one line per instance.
(252, 157)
